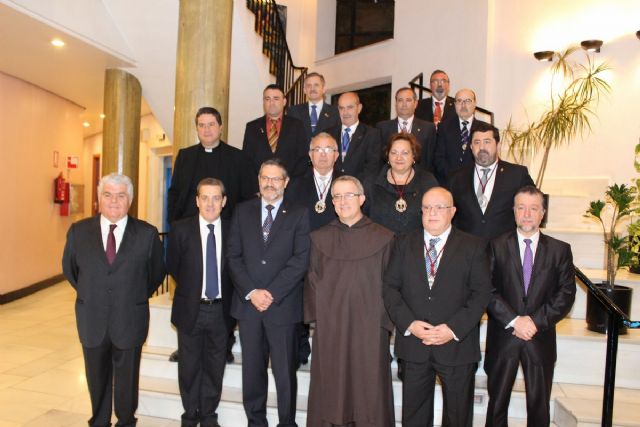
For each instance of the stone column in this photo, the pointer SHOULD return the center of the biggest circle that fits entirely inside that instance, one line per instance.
(121, 127)
(202, 65)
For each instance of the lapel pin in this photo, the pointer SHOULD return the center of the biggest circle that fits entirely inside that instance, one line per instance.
(261, 130)
(501, 169)
(326, 114)
(284, 211)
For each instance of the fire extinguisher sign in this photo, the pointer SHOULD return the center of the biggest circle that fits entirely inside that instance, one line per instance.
(72, 162)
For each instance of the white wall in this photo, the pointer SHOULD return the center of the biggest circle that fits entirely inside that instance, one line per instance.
(518, 84)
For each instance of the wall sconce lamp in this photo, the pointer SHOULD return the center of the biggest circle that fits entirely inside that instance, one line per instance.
(591, 45)
(544, 55)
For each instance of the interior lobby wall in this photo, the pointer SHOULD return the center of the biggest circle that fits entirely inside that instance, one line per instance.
(518, 85)
(33, 124)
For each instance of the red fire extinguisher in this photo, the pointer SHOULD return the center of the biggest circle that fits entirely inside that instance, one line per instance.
(60, 190)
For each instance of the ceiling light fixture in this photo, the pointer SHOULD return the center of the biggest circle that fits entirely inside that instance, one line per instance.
(591, 45)
(86, 124)
(57, 43)
(102, 116)
(544, 55)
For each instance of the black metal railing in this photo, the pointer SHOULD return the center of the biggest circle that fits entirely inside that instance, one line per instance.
(417, 84)
(275, 47)
(164, 287)
(616, 318)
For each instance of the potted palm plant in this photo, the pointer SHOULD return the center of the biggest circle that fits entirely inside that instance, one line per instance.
(574, 93)
(634, 227)
(617, 206)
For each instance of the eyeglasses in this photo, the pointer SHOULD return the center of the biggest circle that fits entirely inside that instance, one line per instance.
(440, 81)
(273, 179)
(399, 153)
(325, 150)
(464, 101)
(437, 208)
(345, 196)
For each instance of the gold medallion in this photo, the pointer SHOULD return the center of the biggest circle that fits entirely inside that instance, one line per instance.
(320, 206)
(401, 205)
(483, 201)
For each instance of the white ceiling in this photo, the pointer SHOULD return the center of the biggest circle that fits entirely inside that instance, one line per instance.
(75, 71)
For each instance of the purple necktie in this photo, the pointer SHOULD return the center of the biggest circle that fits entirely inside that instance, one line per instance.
(111, 244)
(527, 265)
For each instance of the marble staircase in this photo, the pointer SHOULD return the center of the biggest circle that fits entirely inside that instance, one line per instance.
(577, 390)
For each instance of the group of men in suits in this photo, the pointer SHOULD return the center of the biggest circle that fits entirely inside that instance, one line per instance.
(237, 256)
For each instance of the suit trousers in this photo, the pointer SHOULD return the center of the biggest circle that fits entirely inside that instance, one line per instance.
(112, 374)
(260, 341)
(418, 387)
(201, 362)
(538, 380)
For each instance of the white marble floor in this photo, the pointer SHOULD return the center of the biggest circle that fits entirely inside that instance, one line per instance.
(42, 381)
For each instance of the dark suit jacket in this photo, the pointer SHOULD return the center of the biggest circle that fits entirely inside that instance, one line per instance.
(292, 149)
(364, 156)
(328, 117)
(425, 133)
(184, 263)
(549, 298)
(113, 299)
(424, 110)
(459, 295)
(498, 218)
(278, 265)
(449, 154)
(302, 191)
(235, 172)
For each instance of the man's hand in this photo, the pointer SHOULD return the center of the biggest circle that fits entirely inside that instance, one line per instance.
(524, 328)
(438, 335)
(261, 299)
(419, 329)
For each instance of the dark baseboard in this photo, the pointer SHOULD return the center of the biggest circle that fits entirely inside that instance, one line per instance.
(31, 289)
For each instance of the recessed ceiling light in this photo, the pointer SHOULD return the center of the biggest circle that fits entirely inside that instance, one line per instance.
(86, 124)
(57, 43)
(102, 116)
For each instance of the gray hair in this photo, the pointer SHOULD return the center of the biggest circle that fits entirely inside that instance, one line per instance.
(348, 178)
(116, 179)
(323, 135)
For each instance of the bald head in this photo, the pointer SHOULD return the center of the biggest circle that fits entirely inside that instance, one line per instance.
(349, 108)
(437, 210)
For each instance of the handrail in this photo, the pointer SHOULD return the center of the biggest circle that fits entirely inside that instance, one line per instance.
(607, 302)
(274, 44)
(417, 83)
(616, 317)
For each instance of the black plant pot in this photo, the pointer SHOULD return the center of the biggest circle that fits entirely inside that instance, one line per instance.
(597, 316)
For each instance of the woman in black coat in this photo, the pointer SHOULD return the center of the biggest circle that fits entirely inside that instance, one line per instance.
(394, 197)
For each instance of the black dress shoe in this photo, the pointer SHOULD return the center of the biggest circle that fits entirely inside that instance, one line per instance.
(230, 357)
(174, 356)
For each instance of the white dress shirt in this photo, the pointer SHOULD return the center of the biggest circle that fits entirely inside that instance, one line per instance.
(409, 124)
(322, 182)
(522, 245)
(118, 232)
(204, 235)
(318, 105)
(491, 180)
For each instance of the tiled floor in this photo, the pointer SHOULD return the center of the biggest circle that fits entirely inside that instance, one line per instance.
(42, 382)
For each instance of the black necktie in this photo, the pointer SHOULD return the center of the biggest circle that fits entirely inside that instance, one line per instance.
(212, 290)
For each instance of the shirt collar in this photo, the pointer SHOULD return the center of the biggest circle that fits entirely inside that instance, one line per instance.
(318, 105)
(534, 238)
(352, 127)
(492, 166)
(121, 223)
(276, 205)
(443, 236)
(203, 222)
(469, 120)
(318, 176)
